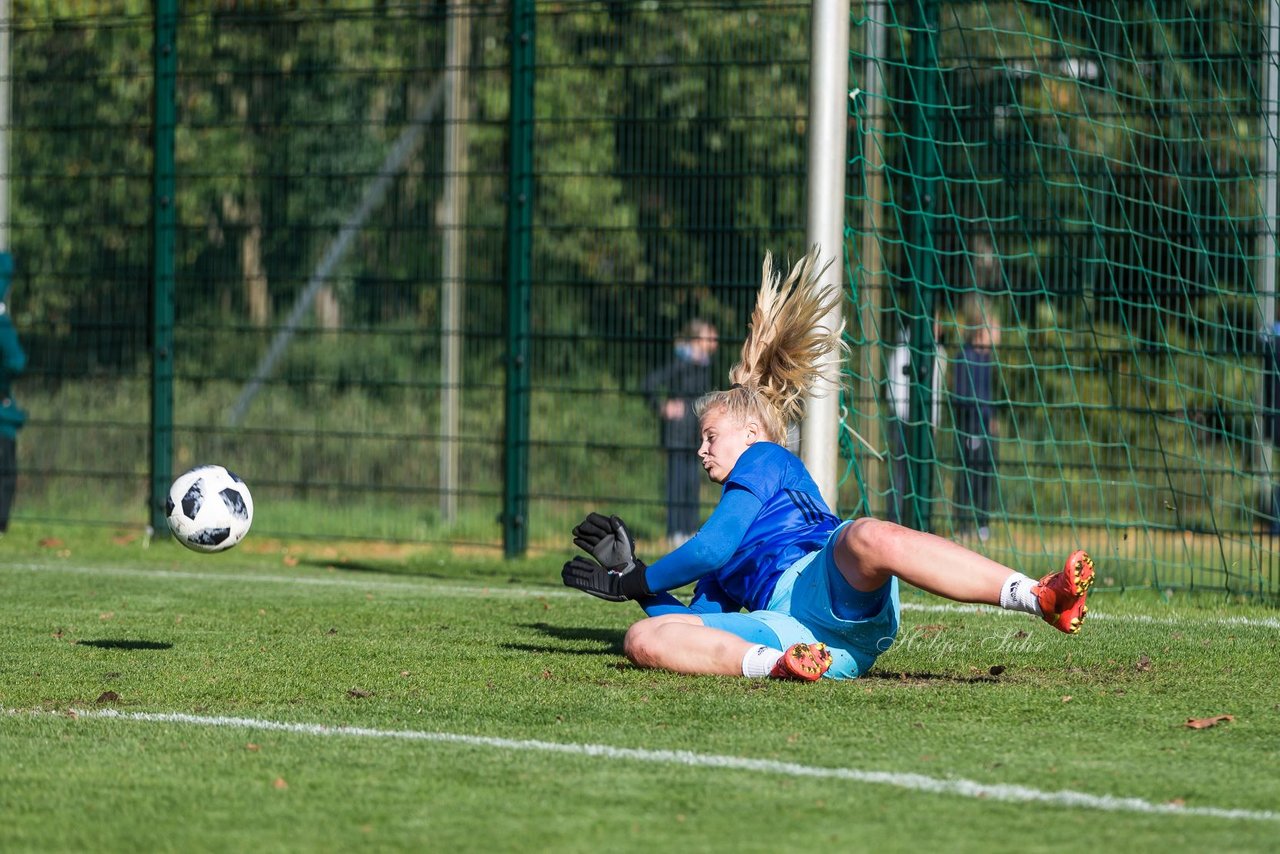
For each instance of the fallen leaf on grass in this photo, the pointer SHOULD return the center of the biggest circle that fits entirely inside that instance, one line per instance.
(252, 748)
(1144, 664)
(280, 783)
(359, 693)
(51, 543)
(1205, 723)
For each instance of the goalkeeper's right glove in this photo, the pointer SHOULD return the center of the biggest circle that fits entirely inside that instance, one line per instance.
(589, 576)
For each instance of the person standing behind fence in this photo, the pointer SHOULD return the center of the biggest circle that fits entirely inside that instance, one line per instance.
(12, 362)
(974, 412)
(671, 391)
(899, 393)
(1271, 416)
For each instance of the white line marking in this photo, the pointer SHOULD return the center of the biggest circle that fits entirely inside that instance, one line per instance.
(1172, 619)
(914, 782)
(444, 588)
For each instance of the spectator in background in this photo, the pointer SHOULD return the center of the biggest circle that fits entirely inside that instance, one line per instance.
(671, 391)
(12, 362)
(1271, 414)
(899, 392)
(974, 412)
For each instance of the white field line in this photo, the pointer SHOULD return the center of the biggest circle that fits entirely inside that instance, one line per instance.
(443, 588)
(1172, 619)
(912, 782)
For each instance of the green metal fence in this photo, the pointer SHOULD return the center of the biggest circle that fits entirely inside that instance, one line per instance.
(414, 269)
(419, 277)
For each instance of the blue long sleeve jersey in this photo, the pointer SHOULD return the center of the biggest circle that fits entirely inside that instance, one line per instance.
(770, 515)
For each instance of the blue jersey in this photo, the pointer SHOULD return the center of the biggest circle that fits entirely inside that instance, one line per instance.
(793, 521)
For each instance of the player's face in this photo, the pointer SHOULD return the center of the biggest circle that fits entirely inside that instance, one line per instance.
(724, 438)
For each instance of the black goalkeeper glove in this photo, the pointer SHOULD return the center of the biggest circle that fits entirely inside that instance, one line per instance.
(616, 574)
(587, 575)
(607, 540)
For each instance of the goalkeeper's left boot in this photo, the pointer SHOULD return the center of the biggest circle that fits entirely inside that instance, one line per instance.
(1062, 594)
(805, 661)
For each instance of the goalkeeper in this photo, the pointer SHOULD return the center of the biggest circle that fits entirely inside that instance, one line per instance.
(820, 595)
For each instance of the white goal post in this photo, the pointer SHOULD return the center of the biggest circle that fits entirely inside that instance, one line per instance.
(828, 127)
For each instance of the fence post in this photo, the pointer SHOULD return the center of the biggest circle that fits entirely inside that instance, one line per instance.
(515, 504)
(163, 222)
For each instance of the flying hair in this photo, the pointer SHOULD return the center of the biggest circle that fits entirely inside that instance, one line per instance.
(786, 348)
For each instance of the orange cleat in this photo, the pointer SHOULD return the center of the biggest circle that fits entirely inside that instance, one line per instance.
(803, 661)
(1062, 594)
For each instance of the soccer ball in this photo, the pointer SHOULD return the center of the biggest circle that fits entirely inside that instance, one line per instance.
(209, 509)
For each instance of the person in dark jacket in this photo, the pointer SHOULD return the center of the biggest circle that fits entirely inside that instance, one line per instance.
(1271, 413)
(974, 411)
(12, 362)
(671, 391)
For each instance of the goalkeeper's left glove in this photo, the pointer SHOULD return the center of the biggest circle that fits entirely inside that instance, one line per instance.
(607, 539)
(587, 575)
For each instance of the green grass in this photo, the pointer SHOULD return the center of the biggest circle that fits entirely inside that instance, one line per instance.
(399, 640)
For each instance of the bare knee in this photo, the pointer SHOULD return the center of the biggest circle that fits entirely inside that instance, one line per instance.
(871, 540)
(646, 642)
(869, 550)
(641, 644)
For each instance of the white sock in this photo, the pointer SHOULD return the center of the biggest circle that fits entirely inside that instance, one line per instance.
(759, 660)
(1016, 594)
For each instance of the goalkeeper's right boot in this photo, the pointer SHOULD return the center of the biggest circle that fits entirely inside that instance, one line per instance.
(805, 661)
(1062, 594)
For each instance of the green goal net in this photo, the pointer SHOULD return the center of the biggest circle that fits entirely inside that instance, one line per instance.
(1088, 188)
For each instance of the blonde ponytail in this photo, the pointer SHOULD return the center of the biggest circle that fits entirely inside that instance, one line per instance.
(785, 350)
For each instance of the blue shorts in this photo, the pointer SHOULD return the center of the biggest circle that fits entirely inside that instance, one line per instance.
(813, 602)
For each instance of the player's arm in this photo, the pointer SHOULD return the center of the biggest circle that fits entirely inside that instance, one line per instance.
(616, 574)
(712, 547)
(708, 598)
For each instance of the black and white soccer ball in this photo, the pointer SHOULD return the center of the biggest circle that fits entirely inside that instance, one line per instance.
(209, 509)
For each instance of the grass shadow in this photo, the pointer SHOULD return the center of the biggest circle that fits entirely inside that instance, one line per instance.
(125, 644)
(373, 568)
(925, 678)
(609, 640)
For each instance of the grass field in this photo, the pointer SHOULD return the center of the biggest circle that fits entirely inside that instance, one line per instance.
(327, 697)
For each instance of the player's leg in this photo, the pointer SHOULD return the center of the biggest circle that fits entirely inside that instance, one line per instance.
(871, 551)
(682, 643)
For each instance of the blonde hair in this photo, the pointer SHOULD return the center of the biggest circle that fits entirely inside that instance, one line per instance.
(785, 350)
